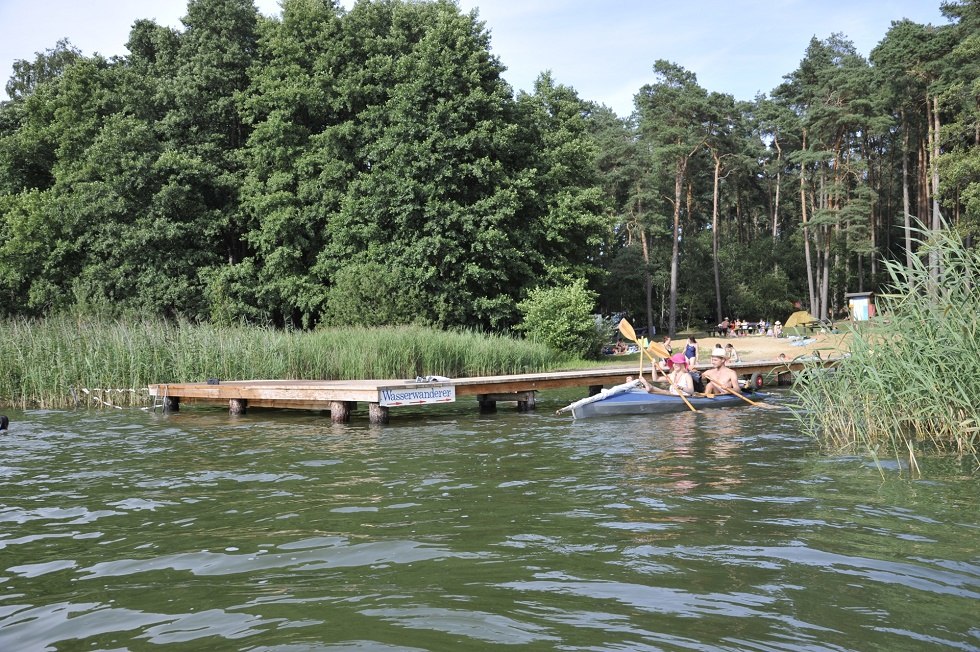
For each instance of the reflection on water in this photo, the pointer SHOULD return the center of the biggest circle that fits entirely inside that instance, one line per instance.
(452, 530)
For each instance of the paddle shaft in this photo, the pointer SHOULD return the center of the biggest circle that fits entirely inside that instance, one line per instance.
(743, 397)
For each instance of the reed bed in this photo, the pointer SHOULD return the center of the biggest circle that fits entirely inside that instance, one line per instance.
(61, 362)
(910, 383)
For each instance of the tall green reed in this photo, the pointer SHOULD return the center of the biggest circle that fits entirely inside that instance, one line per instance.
(910, 383)
(67, 361)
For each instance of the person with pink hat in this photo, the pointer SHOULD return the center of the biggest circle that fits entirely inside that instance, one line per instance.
(678, 376)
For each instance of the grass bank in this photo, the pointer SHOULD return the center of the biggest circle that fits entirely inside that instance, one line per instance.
(62, 362)
(909, 385)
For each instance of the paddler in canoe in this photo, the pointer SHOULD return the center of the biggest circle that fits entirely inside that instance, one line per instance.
(680, 379)
(720, 379)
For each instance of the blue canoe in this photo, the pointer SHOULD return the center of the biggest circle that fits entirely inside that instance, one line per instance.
(630, 399)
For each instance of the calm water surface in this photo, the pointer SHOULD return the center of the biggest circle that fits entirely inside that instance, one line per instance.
(447, 530)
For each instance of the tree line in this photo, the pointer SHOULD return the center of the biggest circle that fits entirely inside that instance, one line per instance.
(371, 166)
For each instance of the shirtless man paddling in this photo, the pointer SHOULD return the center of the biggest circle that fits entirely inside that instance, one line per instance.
(719, 377)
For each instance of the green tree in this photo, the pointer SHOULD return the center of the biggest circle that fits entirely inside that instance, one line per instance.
(575, 221)
(672, 119)
(830, 93)
(959, 163)
(202, 165)
(293, 99)
(432, 186)
(47, 65)
(627, 176)
(53, 127)
(898, 61)
(37, 252)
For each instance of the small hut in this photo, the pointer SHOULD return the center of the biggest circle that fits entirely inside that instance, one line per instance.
(860, 305)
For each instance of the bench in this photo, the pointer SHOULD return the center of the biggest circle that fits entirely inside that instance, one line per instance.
(816, 326)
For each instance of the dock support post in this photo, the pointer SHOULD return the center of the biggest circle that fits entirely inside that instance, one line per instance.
(487, 405)
(171, 404)
(237, 406)
(594, 389)
(527, 404)
(339, 411)
(377, 413)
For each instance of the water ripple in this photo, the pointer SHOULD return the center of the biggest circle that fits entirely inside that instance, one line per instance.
(479, 625)
(336, 554)
(886, 572)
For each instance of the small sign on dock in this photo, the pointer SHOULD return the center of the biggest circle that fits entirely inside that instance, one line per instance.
(395, 397)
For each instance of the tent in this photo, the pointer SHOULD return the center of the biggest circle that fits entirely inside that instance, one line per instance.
(799, 318)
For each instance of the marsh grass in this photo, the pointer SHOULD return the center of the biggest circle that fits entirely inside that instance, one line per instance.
(67, 361)
(912, 379)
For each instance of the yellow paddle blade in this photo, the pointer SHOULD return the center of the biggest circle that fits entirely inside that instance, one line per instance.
(627, 329)
(659, 349)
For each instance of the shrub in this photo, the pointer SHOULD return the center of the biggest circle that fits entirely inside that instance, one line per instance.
(562, 318)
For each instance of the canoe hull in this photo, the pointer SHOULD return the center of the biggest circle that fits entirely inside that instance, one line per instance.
(642, 402)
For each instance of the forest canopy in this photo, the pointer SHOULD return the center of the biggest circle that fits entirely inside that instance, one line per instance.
(371, 166)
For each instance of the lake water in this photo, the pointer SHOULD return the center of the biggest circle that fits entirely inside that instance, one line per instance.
(450, 530)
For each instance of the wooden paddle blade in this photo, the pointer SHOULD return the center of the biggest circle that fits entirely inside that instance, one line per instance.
(659, 349)
(627, 329)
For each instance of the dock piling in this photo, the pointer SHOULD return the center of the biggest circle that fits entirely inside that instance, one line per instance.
(377, 413)
(340, 411)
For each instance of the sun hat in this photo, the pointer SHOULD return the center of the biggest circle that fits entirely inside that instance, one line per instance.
(719, 352)
(779, 323)
(677, 358)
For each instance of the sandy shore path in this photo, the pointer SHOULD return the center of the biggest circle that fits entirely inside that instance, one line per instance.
(760, 347)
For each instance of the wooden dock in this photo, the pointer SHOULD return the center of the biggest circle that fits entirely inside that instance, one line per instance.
(340, 397)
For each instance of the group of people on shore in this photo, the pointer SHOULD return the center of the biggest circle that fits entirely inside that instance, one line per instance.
(691, 350)
(741, 328)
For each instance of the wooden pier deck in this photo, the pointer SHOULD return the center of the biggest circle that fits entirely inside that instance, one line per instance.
(340, 397)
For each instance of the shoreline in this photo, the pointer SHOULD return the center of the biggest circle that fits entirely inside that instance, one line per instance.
(753, 348)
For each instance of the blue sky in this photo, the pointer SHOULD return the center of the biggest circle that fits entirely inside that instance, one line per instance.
(605, 50)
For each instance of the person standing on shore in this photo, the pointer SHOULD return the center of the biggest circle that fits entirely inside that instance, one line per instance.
(691, 351)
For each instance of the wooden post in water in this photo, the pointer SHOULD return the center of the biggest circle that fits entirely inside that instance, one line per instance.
(487, 404)
(339, 411)
(377, 413)
(237, 406)
(526, 403)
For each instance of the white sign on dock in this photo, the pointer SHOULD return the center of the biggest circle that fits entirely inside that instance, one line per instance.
(392, 397)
